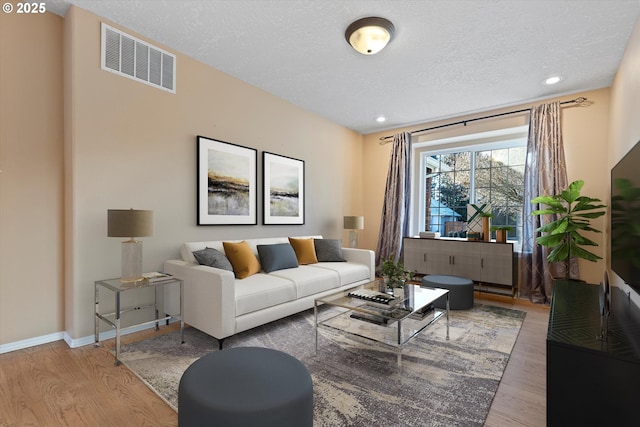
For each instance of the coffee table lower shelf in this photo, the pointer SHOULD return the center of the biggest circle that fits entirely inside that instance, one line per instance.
(363, 321)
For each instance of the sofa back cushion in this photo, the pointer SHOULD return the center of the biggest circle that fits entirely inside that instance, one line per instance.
(305, 250)
(187, 248)
(242, 259)
(277, 257)
(328, 250)
(213, 258)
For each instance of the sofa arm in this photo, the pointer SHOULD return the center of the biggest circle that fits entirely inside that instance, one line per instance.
(209, 297)
(361, 256)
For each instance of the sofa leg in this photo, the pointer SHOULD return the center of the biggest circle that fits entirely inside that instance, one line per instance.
(220, 341)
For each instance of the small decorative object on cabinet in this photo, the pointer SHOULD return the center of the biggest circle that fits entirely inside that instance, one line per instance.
(501, 232)
(486, 223)
(475, 213)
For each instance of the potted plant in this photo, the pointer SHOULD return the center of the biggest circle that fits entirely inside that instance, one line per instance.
(394, 273)
(573, 214)
(501, 232)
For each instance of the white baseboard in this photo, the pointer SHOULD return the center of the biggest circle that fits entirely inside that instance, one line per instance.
(71, 342)
(30, 342)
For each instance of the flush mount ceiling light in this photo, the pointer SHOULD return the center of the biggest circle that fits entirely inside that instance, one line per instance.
(369, 35)
(381, 119)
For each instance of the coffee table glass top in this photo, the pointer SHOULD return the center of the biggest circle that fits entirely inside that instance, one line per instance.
(416, 301)
(393, 324)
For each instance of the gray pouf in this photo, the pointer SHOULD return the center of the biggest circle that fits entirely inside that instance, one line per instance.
(246, 387)
(460, 291)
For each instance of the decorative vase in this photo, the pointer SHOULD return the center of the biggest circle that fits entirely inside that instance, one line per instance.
(486, 231)
(399, 291)
(501, 236)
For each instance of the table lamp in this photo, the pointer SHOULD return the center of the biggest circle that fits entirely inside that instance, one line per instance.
(353, 223)
(130, 223)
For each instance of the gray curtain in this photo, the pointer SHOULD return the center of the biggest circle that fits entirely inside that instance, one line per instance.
(395, 208)
(545, 174)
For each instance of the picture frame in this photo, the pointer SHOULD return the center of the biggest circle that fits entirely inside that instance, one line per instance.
(283, 189)
(227, 183)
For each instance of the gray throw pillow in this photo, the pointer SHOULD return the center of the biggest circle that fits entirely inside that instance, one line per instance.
(213, 258)
(328, 250)
(277, 257)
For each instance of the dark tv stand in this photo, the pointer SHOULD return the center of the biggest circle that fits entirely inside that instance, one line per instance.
(591, 382)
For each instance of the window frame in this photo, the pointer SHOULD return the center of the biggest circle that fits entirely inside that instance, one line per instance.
(422, 150)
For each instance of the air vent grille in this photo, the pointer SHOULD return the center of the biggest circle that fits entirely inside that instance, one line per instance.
(133, 58)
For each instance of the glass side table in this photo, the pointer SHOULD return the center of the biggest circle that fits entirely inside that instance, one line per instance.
(114, 319)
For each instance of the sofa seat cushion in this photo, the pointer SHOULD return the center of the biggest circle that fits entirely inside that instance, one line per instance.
(309, 280)
(261, 291)
(348, 272)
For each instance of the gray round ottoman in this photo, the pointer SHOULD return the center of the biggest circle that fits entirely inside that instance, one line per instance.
(460, 291)
(245, 387)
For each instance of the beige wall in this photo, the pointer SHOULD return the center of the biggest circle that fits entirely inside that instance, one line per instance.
(31, 181)
(585, 141)
(130, 145)
(77, 141)
(624, 129)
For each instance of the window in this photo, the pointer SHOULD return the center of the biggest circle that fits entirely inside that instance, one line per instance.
(485, 169)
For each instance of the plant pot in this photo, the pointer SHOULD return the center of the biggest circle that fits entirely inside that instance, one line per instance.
(501, 236)
(398, 292)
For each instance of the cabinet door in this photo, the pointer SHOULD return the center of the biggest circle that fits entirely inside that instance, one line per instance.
(414, 259)
(497, 263)
(427, 256)
(465, 259)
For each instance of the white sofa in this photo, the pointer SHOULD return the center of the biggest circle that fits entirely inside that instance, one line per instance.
(220, 305)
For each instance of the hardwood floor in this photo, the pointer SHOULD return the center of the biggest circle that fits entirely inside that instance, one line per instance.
(54, 385)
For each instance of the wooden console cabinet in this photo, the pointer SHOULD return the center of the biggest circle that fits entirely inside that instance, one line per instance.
(592, 382)
(483, 262)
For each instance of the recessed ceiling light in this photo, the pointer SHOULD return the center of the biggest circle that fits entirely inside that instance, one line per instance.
(553, 80)
(381, 119)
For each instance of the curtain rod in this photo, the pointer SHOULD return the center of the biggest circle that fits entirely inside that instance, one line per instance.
(383, 139)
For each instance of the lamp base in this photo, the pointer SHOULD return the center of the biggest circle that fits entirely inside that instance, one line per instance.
(131, 262)
(353, 239)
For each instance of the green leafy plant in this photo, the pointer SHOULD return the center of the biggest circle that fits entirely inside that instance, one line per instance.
(573, 214)
(395, 274)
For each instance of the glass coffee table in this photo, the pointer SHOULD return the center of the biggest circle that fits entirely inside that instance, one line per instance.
(362, 311)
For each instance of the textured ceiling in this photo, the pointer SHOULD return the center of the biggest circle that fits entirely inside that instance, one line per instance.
(448, 57)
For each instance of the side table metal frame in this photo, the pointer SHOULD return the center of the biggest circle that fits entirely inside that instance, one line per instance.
(114, 319)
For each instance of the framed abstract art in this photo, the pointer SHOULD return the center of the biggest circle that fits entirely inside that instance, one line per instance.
(283, 189)
(227, 183)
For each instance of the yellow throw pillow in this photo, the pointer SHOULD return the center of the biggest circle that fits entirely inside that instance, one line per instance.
(242, 259)
(305, 250)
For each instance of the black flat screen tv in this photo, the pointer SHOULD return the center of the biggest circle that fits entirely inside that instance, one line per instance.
(625, 218)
